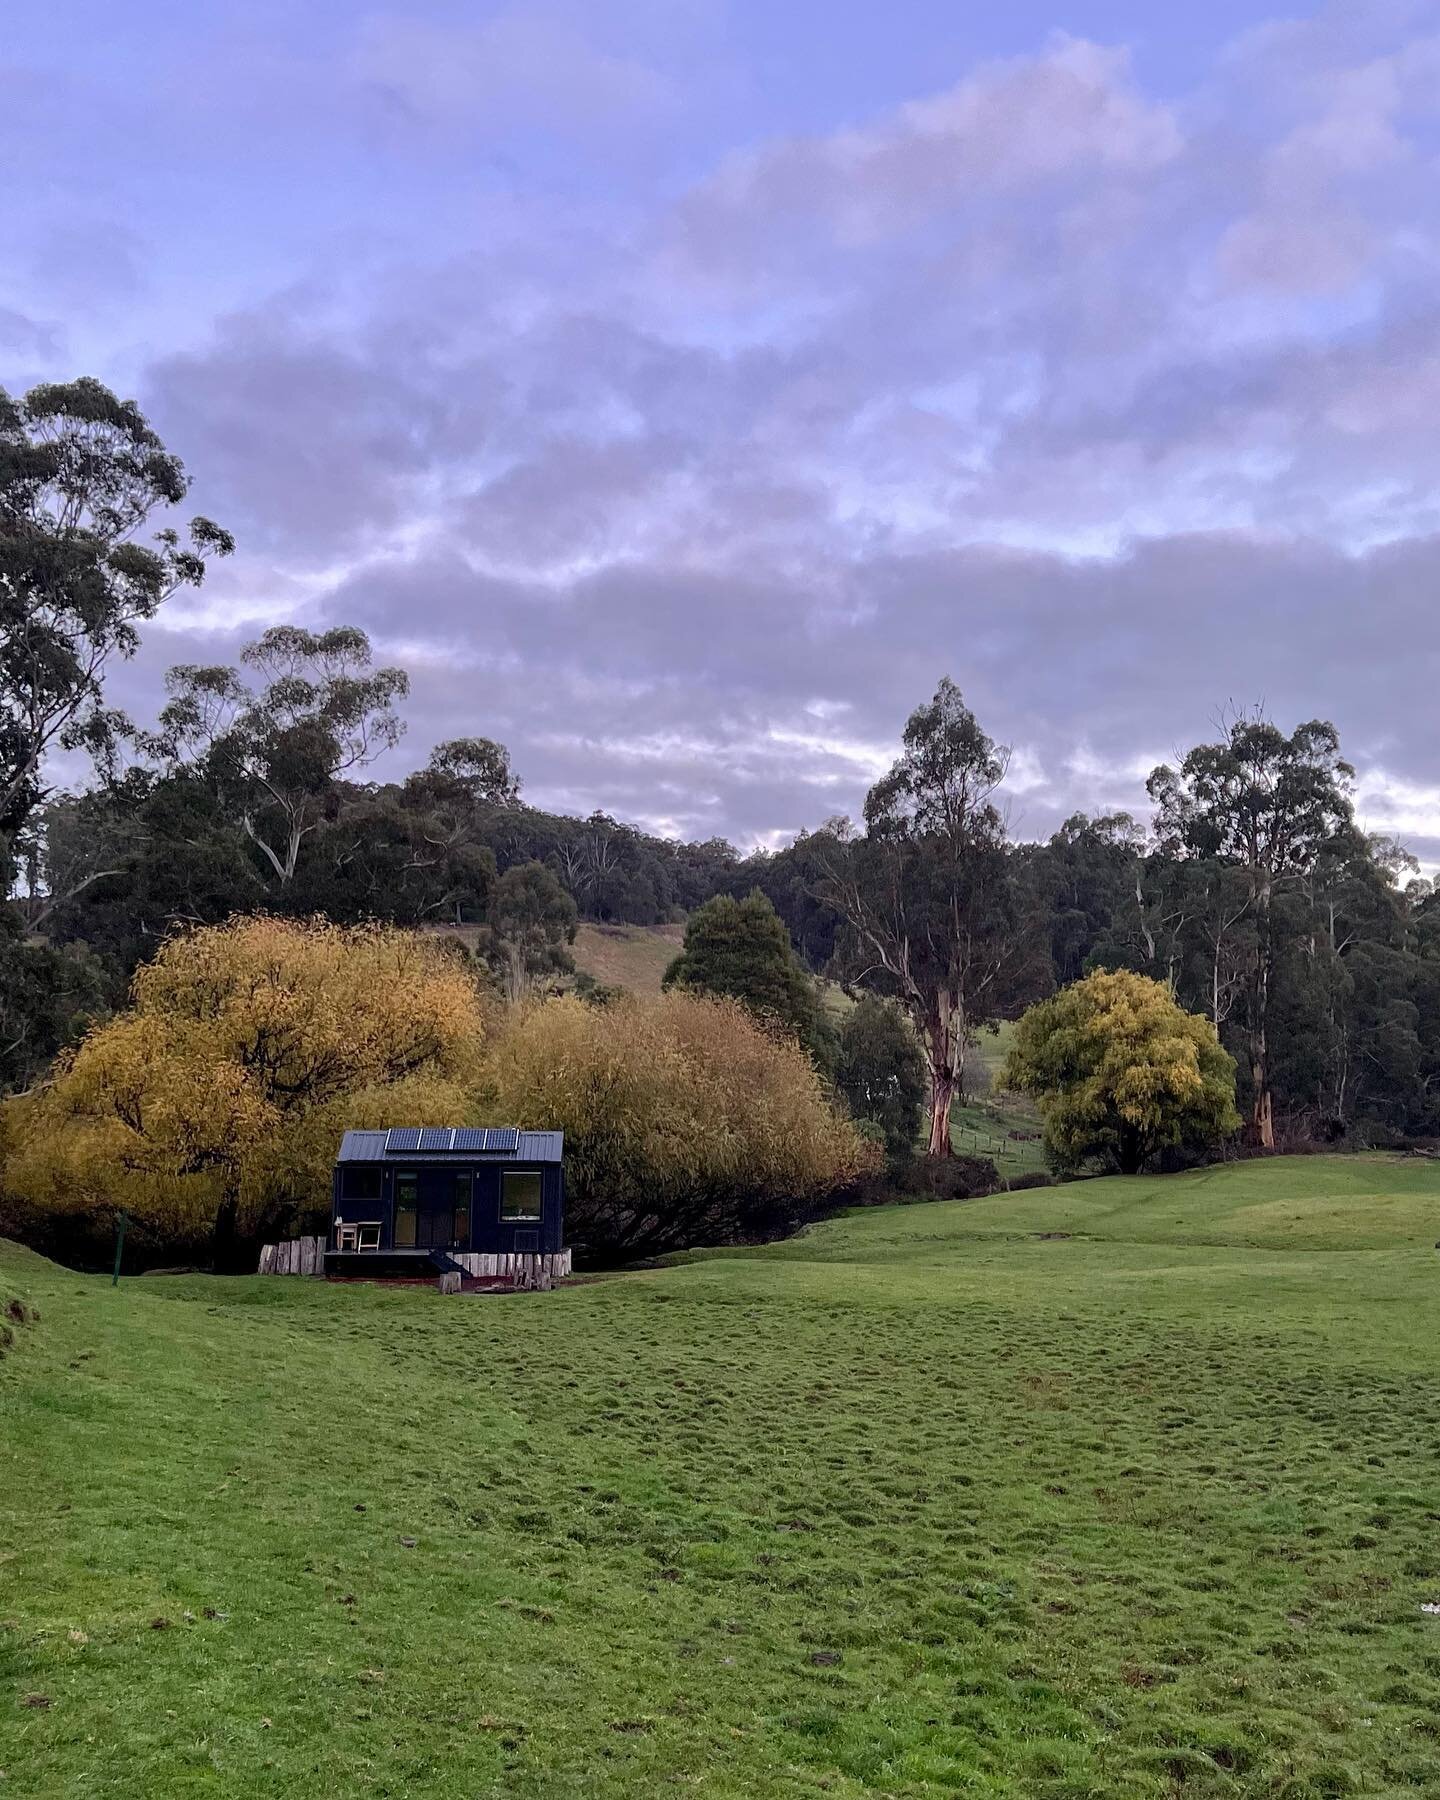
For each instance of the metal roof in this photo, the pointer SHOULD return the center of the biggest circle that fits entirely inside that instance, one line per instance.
(463, 1143)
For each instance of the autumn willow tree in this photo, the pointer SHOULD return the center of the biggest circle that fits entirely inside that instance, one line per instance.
(928, 896)
(212, 1107)
(1267, 807)
(686, 1121)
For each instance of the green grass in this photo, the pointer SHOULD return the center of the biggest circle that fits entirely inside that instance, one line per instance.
(998, 1124)
(1004, 1128)
(1001, 1125)
(930, 1500)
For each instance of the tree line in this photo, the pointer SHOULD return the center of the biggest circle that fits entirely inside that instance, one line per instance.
(1250, 891)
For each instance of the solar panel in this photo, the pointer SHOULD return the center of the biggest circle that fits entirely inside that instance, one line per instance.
(403, 1137)
(435, 1137)
(487, 1139)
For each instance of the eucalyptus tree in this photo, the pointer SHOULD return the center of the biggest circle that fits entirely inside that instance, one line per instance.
(275, 752)
(1267, 805)
(928, 895)
(81, 474)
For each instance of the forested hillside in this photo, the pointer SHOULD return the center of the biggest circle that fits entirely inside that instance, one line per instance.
(1327, 954)
(1249, 890)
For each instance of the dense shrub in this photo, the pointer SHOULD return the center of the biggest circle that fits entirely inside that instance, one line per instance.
(686, 1122)
(211, 1109)
(741, 950)
(916, 1177)
(1032, 1178)
(881, 1073)
(951, 1177)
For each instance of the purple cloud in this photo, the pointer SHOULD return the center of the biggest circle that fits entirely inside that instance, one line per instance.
(682, 437)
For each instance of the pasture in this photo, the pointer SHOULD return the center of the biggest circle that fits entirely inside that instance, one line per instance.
(1123, 1489)
(634, 957)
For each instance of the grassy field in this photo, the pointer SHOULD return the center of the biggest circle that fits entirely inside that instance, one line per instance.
(1003, 1126)
(1005, 1129)
(1117, 1489)
(634, 957)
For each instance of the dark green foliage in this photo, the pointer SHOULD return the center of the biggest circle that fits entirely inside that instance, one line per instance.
(123, 866)
(1081, 882)
(1031, 1178)
(952, 1177)
(531, 926)
(593, 992)
(469, 772)
(741, 949)
(881, 1073)
(792, 879)
(47, 997)
(1351, 987)
(81, 472)
(1269, 807)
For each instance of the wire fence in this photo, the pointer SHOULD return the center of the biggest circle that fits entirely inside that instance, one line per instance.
(1013, 1146)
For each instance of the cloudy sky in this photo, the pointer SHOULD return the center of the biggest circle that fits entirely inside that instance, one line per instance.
(679, 388)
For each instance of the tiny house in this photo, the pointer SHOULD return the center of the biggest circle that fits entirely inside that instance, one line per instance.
(488, 1201)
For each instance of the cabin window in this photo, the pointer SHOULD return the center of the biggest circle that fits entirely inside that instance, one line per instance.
(407, 1204)
(520, 1194)
(361, 1181)
(462, 1210)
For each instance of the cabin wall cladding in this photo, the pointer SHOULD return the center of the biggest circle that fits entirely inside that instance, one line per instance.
(306, 1256)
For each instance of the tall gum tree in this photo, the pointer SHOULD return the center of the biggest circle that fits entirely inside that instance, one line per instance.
(1268, 805)
(275, 754)
(81, 474)
(927, 893)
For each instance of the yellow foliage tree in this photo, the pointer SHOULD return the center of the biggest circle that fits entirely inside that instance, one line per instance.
(213, 1106)
(686, 1121)
(1120, 1070)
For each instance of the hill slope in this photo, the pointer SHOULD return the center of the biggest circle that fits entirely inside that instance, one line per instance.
(929, 1500)
(634, 957)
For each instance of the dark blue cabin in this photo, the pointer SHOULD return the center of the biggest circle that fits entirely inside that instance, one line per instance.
(412, 1199)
